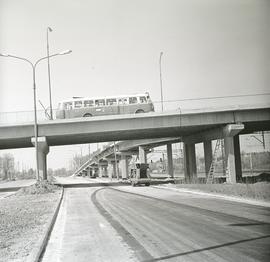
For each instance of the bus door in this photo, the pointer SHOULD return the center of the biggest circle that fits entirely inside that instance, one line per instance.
(133, 104)
(68, 107)
(111, 107)
(123, 105)
(99, 107)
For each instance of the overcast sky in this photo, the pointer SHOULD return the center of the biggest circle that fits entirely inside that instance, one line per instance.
(211, 48)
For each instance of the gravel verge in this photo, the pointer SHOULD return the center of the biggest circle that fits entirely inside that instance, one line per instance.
(24, 217)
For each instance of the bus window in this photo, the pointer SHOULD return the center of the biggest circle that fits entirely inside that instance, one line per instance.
(68, 105)
(88, 103)
(133, 100)
(123, 101)
(111, 101)
(142, 99)
(100, 102)
(77, 104)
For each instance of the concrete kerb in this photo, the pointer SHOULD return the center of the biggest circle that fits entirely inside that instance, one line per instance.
(36, 253)
(225, 197)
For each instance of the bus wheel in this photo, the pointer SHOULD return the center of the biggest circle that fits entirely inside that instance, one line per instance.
(139, 111)
(87, 115)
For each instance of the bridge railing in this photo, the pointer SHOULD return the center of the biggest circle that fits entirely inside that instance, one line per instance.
(182, 105)
(23, 117)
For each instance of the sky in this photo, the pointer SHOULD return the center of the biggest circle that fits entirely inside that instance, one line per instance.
(210, 48)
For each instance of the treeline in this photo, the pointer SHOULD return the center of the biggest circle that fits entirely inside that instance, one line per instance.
(254, 161)
(9, 171)
(7, 167)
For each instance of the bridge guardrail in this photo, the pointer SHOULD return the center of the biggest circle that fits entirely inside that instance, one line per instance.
(183, 105)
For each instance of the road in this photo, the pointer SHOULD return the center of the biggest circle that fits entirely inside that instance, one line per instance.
(151, 224)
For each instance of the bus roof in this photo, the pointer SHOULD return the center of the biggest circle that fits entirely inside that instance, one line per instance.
(100, 97)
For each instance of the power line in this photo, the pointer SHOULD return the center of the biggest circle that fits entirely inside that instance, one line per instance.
(213, 97)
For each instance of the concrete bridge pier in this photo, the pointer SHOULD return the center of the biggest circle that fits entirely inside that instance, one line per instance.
(232, 159)
(190, 167)
(43, 150)
(123, 164)
(170, 160)
(102, 168)
(112, 165)
(232, 152)
(208, 155)
(100, 171)
(105, 171)
(91, 171)
(237, 155)
(142, 155)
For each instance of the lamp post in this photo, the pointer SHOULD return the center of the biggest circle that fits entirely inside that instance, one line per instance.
(33, 65)
(49, 73)
(160, 76)
(115, 160)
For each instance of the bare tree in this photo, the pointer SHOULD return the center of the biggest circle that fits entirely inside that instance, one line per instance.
(7, 166)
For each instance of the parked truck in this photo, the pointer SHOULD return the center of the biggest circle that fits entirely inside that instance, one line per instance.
(140, 174)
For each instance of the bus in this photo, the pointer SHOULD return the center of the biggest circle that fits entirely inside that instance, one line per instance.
(99, 106)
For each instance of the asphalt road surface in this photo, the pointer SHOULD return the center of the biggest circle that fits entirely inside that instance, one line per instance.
(149, 224)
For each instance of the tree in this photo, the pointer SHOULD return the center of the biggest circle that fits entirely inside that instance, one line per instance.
(30, 173)
(7, 166)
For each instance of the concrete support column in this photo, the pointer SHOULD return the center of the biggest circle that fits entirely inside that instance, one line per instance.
(88, 172)
(124, 166)
(230, 160)
(43, 150)
(170, 160)
(208, 155)
(100, 171)
(105, 171)
(237, 154)
(114, 174)
(142, 155)
(190, 162)
(233, 159)
(110, 169)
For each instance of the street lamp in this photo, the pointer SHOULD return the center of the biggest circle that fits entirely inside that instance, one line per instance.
(115, 160)
(160, 75)
(33, 65)
(49, 73)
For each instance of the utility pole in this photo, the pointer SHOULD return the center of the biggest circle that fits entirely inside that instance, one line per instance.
(49, 72)
(115, 160)
(160, 76)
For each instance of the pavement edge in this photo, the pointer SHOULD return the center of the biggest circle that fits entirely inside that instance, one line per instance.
(36, 253)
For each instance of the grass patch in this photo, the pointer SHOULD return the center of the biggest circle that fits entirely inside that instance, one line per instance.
(258, 191)
(23, 219)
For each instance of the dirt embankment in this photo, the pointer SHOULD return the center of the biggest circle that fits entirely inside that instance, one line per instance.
(23, 219)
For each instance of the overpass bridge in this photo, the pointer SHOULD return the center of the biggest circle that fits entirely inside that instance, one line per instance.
(190, 128)
(121, 152)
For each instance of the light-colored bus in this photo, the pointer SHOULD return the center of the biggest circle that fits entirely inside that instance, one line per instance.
(99, 106)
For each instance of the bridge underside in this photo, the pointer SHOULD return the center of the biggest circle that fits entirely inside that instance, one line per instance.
(134, 134)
